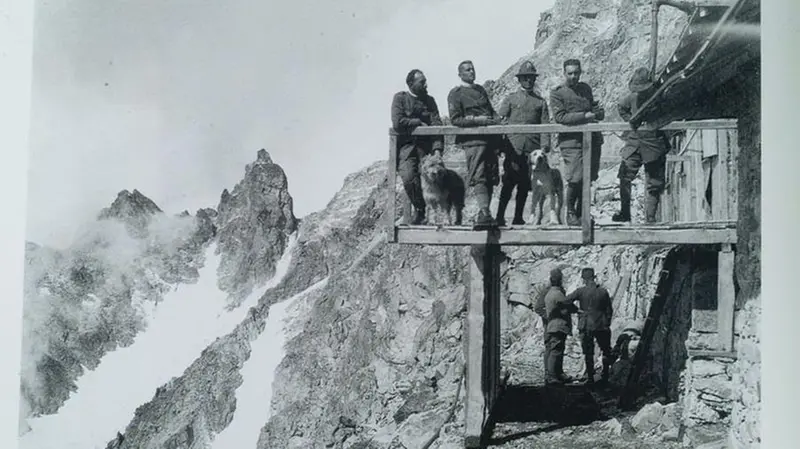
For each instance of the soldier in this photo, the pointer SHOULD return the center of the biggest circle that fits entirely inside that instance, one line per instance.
(559, 325)
(641, 147)
(523, 107)
(594, 322)
(409, 110)
(573, 104)
(469, 106)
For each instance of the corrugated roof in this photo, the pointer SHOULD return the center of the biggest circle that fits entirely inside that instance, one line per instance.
(718, 40)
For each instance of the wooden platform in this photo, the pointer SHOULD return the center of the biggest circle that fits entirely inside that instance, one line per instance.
(705, 233)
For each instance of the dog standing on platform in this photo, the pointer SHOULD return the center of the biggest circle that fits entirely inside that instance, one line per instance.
(546, 184)
(442, 189)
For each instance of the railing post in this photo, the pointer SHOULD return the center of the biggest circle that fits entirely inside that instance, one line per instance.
(391, 230)
(586, 195)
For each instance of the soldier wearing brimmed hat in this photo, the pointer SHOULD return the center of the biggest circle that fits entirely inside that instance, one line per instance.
(594, 322)
(523, 107)
(641, 147)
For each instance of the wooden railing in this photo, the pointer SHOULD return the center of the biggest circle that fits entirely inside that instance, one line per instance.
(701, 179)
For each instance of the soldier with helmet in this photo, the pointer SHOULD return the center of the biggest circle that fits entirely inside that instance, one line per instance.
(523, 107)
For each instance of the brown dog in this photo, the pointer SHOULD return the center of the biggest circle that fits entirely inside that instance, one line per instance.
(546, 184)
(442, 189)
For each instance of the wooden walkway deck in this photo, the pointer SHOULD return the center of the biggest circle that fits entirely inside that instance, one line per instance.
(698, 233)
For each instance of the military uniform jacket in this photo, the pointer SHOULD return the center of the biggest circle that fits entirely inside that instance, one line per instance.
(408, 112)
(596, 306)
(466, 102)
(523, 108)
(652, 145)
(570, 104)
(559, 311)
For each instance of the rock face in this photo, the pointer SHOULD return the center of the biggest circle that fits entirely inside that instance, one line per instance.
(254, 223)
(133, 209)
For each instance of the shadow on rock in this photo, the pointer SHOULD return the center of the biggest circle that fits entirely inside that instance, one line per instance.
(569, 405)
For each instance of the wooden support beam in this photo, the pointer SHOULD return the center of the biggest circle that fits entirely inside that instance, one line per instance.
(675, 234)
(482, 351)
(712, 354)
(725, 297)
(391, 194)
(586, 194)
(664, 236)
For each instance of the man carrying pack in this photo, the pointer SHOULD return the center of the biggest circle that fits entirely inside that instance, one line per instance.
(573, 104)
(523, 107)
(641, 147)
(594, 322)
(410, 110)
(559, 326)
(469, 106)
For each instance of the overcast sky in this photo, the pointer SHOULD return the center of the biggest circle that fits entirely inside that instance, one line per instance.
(174, 97)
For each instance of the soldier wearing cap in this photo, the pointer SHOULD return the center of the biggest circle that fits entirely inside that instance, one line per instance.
(641, 147)
(410, 110)
(594, 322)
(574, 104)
(523, 107)
(559, 324)
(469, 106)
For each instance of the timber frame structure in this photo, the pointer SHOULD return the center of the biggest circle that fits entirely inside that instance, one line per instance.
(707, 151)
(699, 206)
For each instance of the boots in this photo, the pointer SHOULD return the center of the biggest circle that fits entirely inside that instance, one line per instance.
(573, 193)
(505, 197)
(651, 207)
(606, 367)
(483, 194)
(624, 213)
(414, 192)
(589, 361)
(519, 207)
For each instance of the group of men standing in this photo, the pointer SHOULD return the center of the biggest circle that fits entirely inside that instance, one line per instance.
(572, 103)
(594, 324)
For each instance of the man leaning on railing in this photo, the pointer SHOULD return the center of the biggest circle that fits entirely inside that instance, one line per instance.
(410, 110)
(641, 147)
(573, 104)
(469, 106)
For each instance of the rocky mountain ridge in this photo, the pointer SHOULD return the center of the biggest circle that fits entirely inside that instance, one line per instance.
(375, 359)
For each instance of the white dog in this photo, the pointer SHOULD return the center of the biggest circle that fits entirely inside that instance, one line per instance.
(546, 184)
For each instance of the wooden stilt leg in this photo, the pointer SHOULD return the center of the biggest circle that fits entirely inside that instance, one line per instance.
(482, 341)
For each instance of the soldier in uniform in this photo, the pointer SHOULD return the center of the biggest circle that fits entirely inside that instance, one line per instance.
(559, 326)
(573, 104)
(641, 147)
(524, 107)
(469, 106)
(411, 109)
(594, 322)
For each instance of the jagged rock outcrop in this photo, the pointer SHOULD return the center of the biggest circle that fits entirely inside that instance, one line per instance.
(254, 224)
(133, 209)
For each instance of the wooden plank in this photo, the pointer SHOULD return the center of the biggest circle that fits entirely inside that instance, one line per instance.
(709, 140)
(482, 351)
(726, 297)
(733, 183)
(602, 235)
(712, 353)
(586, 194)
(556, 128)
(392, 193)
(664, 237)
(445, 236)
(724, 172)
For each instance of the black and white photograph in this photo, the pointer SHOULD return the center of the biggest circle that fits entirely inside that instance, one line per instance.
(358, 224)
